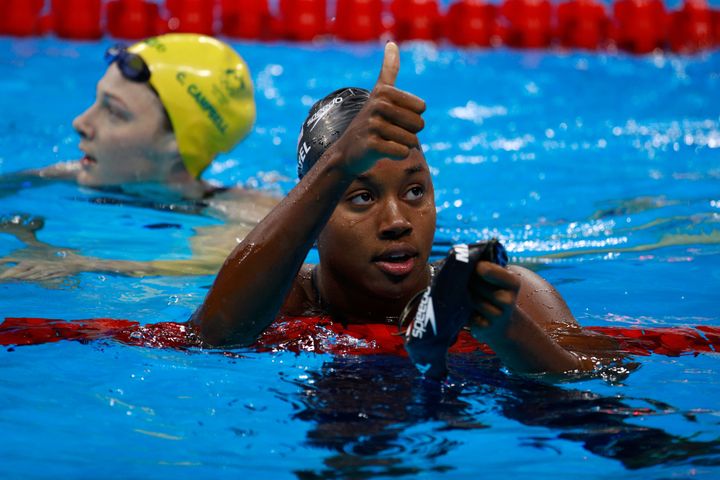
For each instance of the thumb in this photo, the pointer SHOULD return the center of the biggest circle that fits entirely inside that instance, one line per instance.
(391, 64)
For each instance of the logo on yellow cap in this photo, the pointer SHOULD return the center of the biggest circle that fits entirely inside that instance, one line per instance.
(234, 84)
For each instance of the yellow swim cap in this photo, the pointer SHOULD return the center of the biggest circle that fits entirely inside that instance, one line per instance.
(206, 89)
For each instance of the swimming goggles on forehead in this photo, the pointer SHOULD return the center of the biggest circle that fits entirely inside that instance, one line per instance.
(131, 65)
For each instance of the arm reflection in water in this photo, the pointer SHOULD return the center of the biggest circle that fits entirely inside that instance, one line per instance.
(366, 412)
(239, 210)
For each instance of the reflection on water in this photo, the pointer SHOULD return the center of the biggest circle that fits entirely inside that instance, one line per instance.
(641, 224)
(377, 418)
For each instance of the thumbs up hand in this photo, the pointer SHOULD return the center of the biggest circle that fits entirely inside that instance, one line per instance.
(387, 125)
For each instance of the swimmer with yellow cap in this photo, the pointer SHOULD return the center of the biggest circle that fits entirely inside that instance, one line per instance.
(164, 109)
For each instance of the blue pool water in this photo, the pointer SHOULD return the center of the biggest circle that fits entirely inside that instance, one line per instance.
(602, 170)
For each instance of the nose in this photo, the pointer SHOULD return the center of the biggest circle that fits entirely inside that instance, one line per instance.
(83, 124)
(394, 222)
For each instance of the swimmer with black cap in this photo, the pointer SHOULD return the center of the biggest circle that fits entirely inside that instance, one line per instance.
(165, 108)
(366, 199)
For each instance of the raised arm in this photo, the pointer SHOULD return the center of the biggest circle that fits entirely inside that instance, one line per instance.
(251, 287)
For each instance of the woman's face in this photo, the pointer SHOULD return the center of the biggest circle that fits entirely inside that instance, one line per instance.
(378, 240)
(124, 134)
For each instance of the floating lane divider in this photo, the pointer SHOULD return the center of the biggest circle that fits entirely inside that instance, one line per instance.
(637, 26)
(322, 335)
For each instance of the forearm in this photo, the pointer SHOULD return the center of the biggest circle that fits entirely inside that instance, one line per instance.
(134, 268)
(255, 279)
(36, 176)
(524, 347)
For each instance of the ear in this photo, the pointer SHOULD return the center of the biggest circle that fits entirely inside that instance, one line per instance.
(167, 150)
(169, 159)
(167, 143)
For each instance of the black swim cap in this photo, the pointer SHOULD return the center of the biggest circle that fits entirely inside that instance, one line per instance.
(326, 122)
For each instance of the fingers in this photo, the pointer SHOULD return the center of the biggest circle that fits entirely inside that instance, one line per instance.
(391, 65)
(497, 276)
(400, 98)
(495, 296)
(390, 148)
(391, 129)
(407, 117)
(400, 136)
(488, 311)
(493, 290)
(35, 274)
(33, 271)
(388, 120)
(20, 271)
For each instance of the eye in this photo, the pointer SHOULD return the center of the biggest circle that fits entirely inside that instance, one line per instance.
(111, 110)
(114, 112)
(415, 193)
(361, 198)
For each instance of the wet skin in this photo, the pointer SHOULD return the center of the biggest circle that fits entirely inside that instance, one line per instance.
(368, 203)
(251, 288)
(377, 242)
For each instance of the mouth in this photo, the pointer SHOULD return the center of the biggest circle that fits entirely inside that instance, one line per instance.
(397, 262)
(88, 161)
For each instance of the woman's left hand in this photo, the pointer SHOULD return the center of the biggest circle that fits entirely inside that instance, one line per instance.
(493, 293)
(517, 328)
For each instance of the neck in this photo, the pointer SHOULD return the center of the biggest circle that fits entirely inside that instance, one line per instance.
(351, 304)
(186, 185)
(175, 185)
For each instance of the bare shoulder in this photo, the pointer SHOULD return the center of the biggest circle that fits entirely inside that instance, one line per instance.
(241, 205)
(540, 300)
(302, 298)
(247, 195)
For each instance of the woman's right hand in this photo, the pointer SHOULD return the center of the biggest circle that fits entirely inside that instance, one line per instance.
(387, 125)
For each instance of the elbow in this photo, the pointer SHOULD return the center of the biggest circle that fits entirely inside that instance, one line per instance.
(216, 332)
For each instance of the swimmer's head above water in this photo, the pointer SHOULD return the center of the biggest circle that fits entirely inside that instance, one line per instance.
(166, 104)
(387, 216)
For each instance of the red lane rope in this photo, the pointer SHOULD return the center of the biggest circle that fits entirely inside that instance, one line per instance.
(638, 26)
(322, 335)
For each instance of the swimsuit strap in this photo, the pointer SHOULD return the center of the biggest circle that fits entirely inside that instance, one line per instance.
(211, 192)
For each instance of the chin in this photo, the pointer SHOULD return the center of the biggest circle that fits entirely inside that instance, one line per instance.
(400, 288)
(90, 178)
(87, 180)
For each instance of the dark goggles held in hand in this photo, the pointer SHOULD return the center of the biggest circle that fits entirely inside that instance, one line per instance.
(443, 309)
(131, 65)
